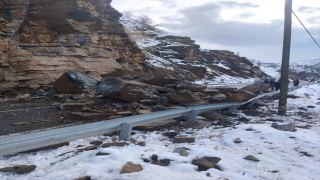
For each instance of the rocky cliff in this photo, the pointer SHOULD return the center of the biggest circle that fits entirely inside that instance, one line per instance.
(42, 39)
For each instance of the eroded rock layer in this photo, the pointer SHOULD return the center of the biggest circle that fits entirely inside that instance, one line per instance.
(42, 39)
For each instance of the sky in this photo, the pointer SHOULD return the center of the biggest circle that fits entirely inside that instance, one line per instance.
(252, 28)
(281, 154)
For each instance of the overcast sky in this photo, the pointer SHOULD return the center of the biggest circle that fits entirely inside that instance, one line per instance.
(254, 28)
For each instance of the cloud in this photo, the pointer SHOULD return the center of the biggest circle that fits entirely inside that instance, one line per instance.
(246, 15)
(305, 9)
(314, 20)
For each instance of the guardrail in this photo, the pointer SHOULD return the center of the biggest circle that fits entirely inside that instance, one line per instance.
(23, 142)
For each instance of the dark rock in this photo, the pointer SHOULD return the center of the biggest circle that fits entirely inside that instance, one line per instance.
(183, 98)
(154, 157)
(148, 102)
(210, 92)
(206, 163)
(163, 162)
(129, 91)
(237, 140)
(225, 123)
(20, 169)
(252, 158)
(164, 90)
(183, 139)
(284, 126)
(48, 147)
(141, 143)
(196, 125)
(171, 134)
(157, 125)
(89, 148)
(310, 106)
(102, 154)
(85, 178)
(161, 81)
(216, 98)
(96, 142)
(181, 85)
(130, 168)
(75, 83)
(105, 145)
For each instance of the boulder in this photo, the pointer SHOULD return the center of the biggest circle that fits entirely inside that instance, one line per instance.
(183, 98)
(161, 80)
(75, 83)
(129, 91)
(226, 90)
(240, 96)
(20, 169)
(251, 158)
(217, 97)
(130, 168)
(182, 85)
(284, 126)
(255, 88)
(205, 163)
(183, 139)
(210, 92)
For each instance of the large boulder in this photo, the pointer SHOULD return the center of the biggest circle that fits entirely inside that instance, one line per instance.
(183, 97)
(75, 83)
(256, 88)
(241, 96)
(161, 80)
(129, 91)
(182, 85)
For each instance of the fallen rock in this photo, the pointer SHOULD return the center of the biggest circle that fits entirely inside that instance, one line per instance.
(20, 169)
(237, 140)
(181, 150)
(183, 98)
(256, 88)
(96, 142)
(102, 154)
(217, 98)
(128, 91)
(89, 148)
(196, 125)
(170, 134)
(85, 178)
(206, 163)
(252, 158)
(240, 96)
(161, 80)
(164, 90)
(210, 92)
(105, 145)
(183, 139)
(182, 85)
(20, 124)
(130, 168)
(75, 83)
(141, 143)
(284, 126)
(163, 162)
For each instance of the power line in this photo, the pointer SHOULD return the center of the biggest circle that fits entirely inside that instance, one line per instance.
(305, 28)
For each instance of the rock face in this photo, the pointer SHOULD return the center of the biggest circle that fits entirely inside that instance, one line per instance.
(40, 40)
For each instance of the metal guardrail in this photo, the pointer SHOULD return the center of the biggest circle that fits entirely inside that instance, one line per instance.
(23, 142)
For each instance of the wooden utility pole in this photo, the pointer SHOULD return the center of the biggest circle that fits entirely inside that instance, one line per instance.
(285, 59)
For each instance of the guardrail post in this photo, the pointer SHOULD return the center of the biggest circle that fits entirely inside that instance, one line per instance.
(253, 102)
(232, 109)
(125, 132)
(193, 115)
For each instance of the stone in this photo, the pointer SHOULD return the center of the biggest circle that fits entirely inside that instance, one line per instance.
(182, 151)
(121, 144)
(20, 124)
(72, 106)
(183, 139)
(215, 116)
(130, 168)
(256, 88)
(163, 162)
(284, 126)
(102, 154)
(141, 143)
(196, 125)
(225, 123)
(157, 125)
(182, 85)
(206, 163)
(183, 98)
(170, 134)
(96, 142)
(85, 178)
(161, 80)
(89, 148)
(252, 158)
(129, 91)
(75, 83)
(164, 90)
(48, 147)
(241, 96)
(210, 92)
(19, 169)
(237, 140)
(144, 111)
(217, 98)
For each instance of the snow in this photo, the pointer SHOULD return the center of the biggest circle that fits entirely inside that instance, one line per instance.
(280, 152)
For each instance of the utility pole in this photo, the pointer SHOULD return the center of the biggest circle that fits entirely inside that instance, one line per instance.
(285, 59)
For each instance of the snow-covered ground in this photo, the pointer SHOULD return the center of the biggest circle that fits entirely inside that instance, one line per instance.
(283, 155)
